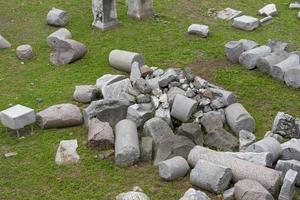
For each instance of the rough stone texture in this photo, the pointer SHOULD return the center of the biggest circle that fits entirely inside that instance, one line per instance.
(192, 194)
(285, 125)
(295, 5)
(172, 146)
(147, 149)
(248, 189)
(153, 82)
(246, 23)
(123, 60)
(135, 73)
(110, 111)
(67, 51)
(173, 92)
(290, 150)
(211, 121)
(199, 30)
(127, 150)
(276, 136)
(229, 194)
(264, 64)
(292, 76)
(57, 17)
(233, 51)
(24, 52)
(169, 76)
(117, 90)
(285, 165)
(288, 188)
(100, 135)
(277, 45)
(227, 97)
(132, 196)
(17, 117)
(229, 14)
(192, 131)
(54, 37)
(140, 9)
(157, 129)
(246, 139)
(4, 44)
(85, 93)
(278, 70)
(183, 108)
(249, 58)
(248, 44)
(139, 114)
(268, 10)
(108, 79)
(174, 168)
(269, 178)
(164, 114)
(220, 139)
(105, 14)
(211, 177)
(267, 144)
(66, 152)
(59, 116)
(200, 82)
(263, 158)
(142, 85)
(239, 119)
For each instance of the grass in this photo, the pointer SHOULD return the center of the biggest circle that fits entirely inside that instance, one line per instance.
(32, 174)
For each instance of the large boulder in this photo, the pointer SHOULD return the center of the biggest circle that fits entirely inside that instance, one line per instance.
(173, 168)
(66, 152)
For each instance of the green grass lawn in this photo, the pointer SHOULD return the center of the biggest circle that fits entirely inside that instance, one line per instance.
(32, 174)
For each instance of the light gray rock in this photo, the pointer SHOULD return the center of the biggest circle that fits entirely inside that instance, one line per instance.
(146, 71)
(287, 191)
(127, 150)
(132, 196)
(139, 114)
(66, 152)
(108, 79)
(192, 194)
(212, 120)
(105, 14)
(164, 113)
(251, 190)
(229, 194)
(241, 169)
(169, 76)
(199, 30)
(147, 149)
(264, 158)
(229, 14)
(135, 73)
(248, 44)
(290, 150)
(265, 20)
(85, 93)
(227, 97)
(118, 90)
(24, 52)
(249, 58)
(291, 76)
(140, 9)
(277, 45)
(239, 119)
(142, 85)
(172, 93)
(278, 70)
(192, 131)
(17, 117)
(153, 82)
(246, 139)
(143, 99)
(174, 168)
(285, 125)
(220, 139)
(268, 10)
(200, 82)
(233, 51)
(100, 135)
(183, 108)
(59, 116)
(67, 51)
(267, 144)
(295, 5)
(123, 60)
(54, 37)
(264, 64)
(246, 23)
(299, 15)
(276, 136)
(4, 44)
(57, 17)
(285, 165)
(211, 177)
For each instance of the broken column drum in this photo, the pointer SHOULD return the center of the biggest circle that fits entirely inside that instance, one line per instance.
(173, 168)
(278, 70)
(123, 60)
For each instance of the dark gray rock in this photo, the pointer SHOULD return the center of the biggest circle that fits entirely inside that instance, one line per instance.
(147, 149)
(246, 139)
(192, 131)
(285, 125)
(139, 113)
(220, 139)
(212, 120)
(285, 165)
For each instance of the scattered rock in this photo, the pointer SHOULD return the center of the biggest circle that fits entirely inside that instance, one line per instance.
(229, 14)
(290, 150)
(142, 85)
(285, 125)
(10, 154)
(4, 44)
(212, 120)
(56, 36)
(246, 23)
(264, 64)
(57, 17)
(24, 52)
(132, 195)
(147, 149)
(248, 44)
(288, 188)
(183, 108)
(268, 10)
(285, 165)
(169, 76)
(85, 93)
(249, 58)
(199, 29)
(295, 5)
(278, 70)
(140, 9)
(277, 45)
(192, 194)
(246, 139)
(66, 152)
(174, 168)
(192, 131)
(164, 113)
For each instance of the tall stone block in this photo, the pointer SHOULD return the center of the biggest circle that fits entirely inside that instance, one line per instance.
(140, 9)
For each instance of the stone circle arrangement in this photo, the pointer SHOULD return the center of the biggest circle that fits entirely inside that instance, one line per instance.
(179, 121)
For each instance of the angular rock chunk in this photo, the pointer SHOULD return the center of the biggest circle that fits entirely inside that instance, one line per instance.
(59, 116)
(123, 60)
(4, 44)
(192, 131)
(295, 5)
(290, 150)
(66, 152)
(221, 139)
(100, 135)
(56, 36)
(108, 79)
(229, 194)
(139, 114)
(183, 108)
(127, 150)
(199, 29)
(292, 76)
(285, 165)
(229, 14)
(117, 90)
(277, 45)
(278, 70)
(173, 92)
(264, 64)
(246, 23)
(227, 97)
(268, 10)
(200, 82)
(85, 93)
(285, 125)
(132, 196)
(249, 58)
(24, 52)
(135, 73)
(251, 190)
(142, 85)
(169, 76)
(140, 9)
(248, 44)
(264, 158)
(192, 194)
(212, 120)
(288, 188)
(147, 149)
(174, 168)
(246, 139)
(164, 114)
(57, 17)
(211, 177)
(233, 51)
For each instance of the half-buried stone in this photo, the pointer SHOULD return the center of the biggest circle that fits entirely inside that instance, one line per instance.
(183, 108)
(249, 58)
(246, 23)
(192, 194)
(54, 37)
(278, 70)
(127, 150)
(173, 168)
(264, 64)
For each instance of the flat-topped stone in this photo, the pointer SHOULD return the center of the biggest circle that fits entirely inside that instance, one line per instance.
(85, 93)
(246, 23)
(268, 10)
(57, 17)
(199, 30)
(123, 60)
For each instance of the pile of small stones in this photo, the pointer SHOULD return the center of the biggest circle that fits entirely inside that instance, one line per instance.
(273, 59)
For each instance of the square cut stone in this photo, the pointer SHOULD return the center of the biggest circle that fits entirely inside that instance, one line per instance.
(246, 23)
(17, 117)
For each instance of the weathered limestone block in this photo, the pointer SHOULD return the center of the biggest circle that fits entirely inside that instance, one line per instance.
(59, 116)
(127, 150)
(192, 194)
(123, 60)
(229, 194)
(229, 14)
(285, 126)
(290, 150)
(24, 52)
(248, 44)
(249, 58)
(139, 114)
(239, 119)
(269, 178)
(264, 64)
(164, 114)
(278, 70)
(277, 45)
(57, 17)
(288, 188)
(118, 91)
(228, 97)
(147, 149)
(268, 10)
(221, 139)
(211, 177)
(140, 9)
(85, 93)
(108, 79)
(233, 51)
(285, 165)
(4, 44)
(200, 83)
(169, 76)
(183, 108)
(264, 158)
(212, 120)
(199, 30)
(192, 131)
(66, 152)
(246, 139)
(174, 168)
(292, 76)
(246, 23)
(55, 37)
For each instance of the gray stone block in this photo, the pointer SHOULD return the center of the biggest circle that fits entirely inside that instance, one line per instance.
(172, 93)
(164, 113)
(85, 93)
(248, 44)
(199, 30)
(290, 150)
(287, 191)
(249, 58)
(174, 168)
(169, 76)
(278, 70)
(233, 51)
(268, 10)
(220, 139)
(4, 44)
(117, 90)
(227, 97)
(246, 23)
(57, 17)
(285, 126)
(139, 114)
(229, 194)
(277, 45)
(264, 64)
(211, 121)
(292, 76)
(66, 152)
(183, 108)
(264, 158)
(132, 196)
(246, 138)
(147, 149)
(108, 79)
(192, 131)
(285, 165)
(24, 52)
(55, 37)
(123, 60)
(142, 85)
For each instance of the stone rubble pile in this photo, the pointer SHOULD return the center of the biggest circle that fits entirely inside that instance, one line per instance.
(273, 59)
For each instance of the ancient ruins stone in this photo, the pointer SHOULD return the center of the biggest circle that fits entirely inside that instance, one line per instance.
(246, 23)
(227, 97)
(233, 51)
(66, 152)
(67, 51)
(164, 114)
(265, 20)
(250, 190)
(135, 73)
(57, 17)
(246, 139)
(192, 131)
(292, 76)
(172, 93)
(200, 82)
(268, 10)
(139, 114)
(229, 14)
(105, 14)
(212, 120)
(132, 196)
(100, 135)
(288, 188)
(278, 70)
(285, 125)
(123, 60)
(239, 119)
(169, 76)
(4, 44)
(277, 45)
(295, 5)
(108, 79)
(127, 150)
(56, 36)
(145, 71)
(85, 93)
(59, 116)
(229, 194)
(24, 52)
(290, 150)
(220, 139)
(248, 44)
(118, 91)
(140, 9)
(249, 58)
(263, 158)
(264, 64)
(199, 29)
(174, 168)
(147, 149)
(269, 178)
(192, 194)
(183, 108)
(142, 85)
(211, 177)
(285, 165)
